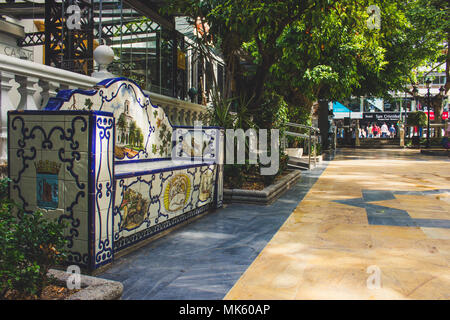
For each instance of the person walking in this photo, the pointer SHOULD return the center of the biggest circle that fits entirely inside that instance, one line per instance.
(375, 131)
(392, 131)
(384, 130)
(363, 133)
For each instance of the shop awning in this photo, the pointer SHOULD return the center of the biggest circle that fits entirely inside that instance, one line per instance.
(340, 112)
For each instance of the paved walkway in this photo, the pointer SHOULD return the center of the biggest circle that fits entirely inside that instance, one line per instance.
(365, 214)
(204, 259)
(376, 225)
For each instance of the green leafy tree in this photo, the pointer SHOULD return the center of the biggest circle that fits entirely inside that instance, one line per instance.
(308, 50)
(247, 33)
(417, 118)
(320, 58)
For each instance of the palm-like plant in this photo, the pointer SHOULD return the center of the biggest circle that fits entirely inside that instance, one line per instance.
(221, 113)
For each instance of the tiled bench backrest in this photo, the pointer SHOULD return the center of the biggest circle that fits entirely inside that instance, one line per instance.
(143, 131)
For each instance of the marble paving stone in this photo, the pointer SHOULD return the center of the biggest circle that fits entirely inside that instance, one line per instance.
(333, 255)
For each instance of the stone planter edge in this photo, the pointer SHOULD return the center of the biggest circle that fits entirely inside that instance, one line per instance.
(92, 288)
(265, 196)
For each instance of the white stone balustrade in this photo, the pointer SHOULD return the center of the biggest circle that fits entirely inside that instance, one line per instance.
(179, 112)
(26, 85)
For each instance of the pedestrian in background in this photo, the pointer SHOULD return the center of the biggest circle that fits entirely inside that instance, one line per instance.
(392, 131)
(375, 131)
(384, 130)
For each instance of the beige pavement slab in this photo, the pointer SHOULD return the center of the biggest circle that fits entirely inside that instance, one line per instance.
(328, 250)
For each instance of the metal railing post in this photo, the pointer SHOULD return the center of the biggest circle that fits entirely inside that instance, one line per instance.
(315, 149)
(309, 149)
(311, 137)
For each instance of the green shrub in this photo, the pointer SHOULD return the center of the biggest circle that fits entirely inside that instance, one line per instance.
(417, 119)
(284, 159)
(233, 175)
(29, 246)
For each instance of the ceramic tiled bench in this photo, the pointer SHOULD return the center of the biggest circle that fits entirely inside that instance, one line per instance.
(110, 164)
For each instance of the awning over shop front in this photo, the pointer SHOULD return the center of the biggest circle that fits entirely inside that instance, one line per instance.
(340, 112)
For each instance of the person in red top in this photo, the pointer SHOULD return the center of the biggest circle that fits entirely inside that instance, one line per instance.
(375, 130)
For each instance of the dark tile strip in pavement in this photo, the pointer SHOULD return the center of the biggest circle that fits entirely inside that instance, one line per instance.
(204, 259)
(386, 216)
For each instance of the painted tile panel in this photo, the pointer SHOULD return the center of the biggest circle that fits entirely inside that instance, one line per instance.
(145, 205)
(143, 129)
(49, 177)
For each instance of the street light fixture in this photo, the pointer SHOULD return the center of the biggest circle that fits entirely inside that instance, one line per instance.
(428, 83)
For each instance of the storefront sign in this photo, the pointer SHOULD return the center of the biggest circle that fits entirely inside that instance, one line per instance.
(431, 114)
(382, 116)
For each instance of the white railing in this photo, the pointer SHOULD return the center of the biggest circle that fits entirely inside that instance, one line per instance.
(312, 138)
(26, 85)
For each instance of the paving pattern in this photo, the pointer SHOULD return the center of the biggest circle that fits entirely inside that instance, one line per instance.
(371, 224)
(204, 259)
(376, 225)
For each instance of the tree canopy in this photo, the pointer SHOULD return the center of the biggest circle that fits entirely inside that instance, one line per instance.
(310, 50)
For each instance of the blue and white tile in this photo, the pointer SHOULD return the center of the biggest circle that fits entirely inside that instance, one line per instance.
(81, 136)
(75, 198)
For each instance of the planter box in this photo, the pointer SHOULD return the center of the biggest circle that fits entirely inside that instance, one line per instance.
(266, 196)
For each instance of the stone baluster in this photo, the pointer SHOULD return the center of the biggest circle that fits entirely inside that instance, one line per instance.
(49, 90)
(166, 111)
(171, 113)
(188, 118)
(194, 116)
(180, 116)
(27, 90)
(5, 106)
